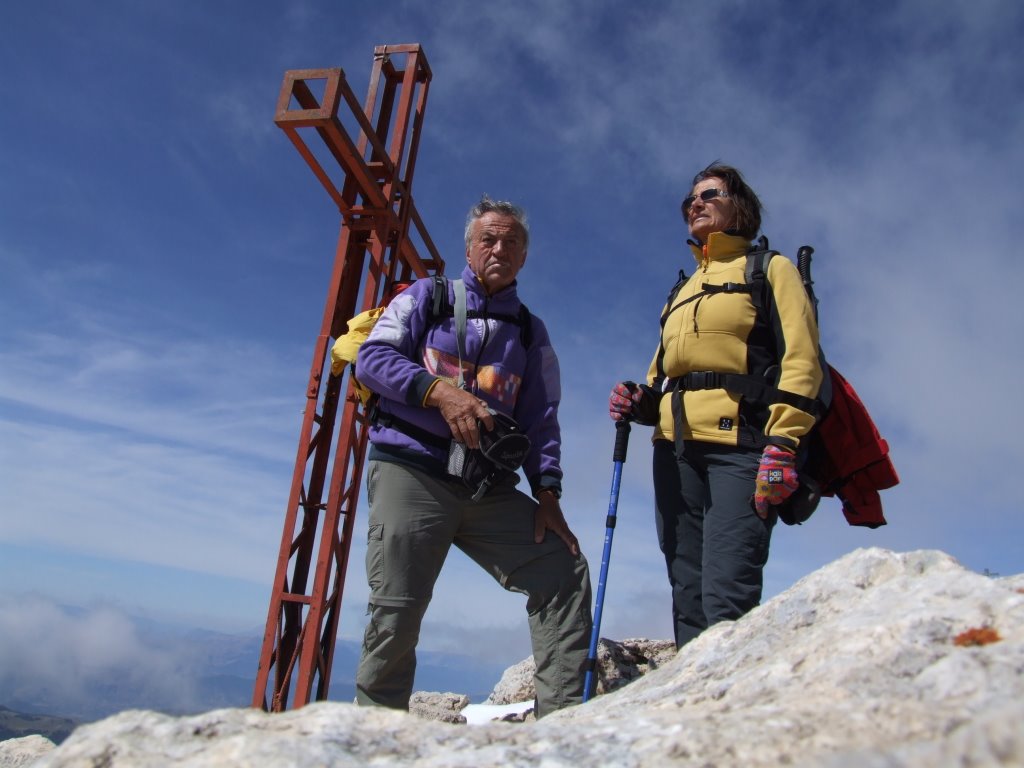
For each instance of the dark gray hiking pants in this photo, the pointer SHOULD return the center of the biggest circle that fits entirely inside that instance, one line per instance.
(715, 545)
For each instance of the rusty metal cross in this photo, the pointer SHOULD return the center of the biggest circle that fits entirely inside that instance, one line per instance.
(379, 224)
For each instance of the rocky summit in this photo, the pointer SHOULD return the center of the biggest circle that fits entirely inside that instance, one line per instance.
(879, 660)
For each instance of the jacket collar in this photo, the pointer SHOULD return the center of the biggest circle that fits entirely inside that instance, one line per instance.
(508, 293)
(719, 247)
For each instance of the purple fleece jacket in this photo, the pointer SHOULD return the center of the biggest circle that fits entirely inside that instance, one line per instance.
(405, 353)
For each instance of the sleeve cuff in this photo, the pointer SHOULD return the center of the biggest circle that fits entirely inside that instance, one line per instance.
(548, 484)
(784, 442)
(422, 385)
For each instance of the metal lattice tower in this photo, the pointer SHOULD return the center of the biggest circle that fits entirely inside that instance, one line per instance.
(370, 181)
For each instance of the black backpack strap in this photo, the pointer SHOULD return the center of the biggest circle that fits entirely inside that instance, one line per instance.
(748, 386)
(525, 326)
(394, 422)
(803, 265)
(755, 276)
(669, 309)
(709, 289)
(659, 365)
(441, 305)
(522, 320)
(680, 282)
(751, 387)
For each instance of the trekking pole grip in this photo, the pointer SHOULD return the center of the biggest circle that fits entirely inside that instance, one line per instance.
(621, 440)
(803, 263)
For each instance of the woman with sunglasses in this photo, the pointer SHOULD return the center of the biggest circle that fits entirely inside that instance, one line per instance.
(722, 460)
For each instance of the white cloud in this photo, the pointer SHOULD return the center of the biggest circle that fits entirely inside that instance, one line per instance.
(53, 655)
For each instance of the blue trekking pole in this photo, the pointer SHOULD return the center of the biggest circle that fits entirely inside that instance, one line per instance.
(618, 457)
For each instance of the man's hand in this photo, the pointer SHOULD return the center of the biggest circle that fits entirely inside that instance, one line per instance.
(462, 410)
(548, 517)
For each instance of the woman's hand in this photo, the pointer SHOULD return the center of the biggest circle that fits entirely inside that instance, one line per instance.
(624, 396)
(776, 479)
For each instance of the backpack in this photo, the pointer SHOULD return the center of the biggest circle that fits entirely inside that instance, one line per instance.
(843, 455)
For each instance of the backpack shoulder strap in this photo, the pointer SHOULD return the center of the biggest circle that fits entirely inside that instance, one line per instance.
(755, 276)
(673, 292)
(525, 326)
(763, 300)
(460, 325)
(440, 304)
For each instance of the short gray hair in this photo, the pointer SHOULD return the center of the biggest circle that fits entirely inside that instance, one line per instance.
(503, 207)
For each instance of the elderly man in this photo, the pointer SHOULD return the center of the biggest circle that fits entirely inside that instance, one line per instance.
(418, 509)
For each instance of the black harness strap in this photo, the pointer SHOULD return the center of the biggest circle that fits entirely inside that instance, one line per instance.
(441, 306)
(659, 364)
(750, 387)
(424, 436)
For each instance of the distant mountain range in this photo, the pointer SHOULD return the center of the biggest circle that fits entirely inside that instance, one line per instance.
(14, 725)
(186, 671)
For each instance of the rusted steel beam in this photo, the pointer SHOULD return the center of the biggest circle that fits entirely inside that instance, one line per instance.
(373, 249)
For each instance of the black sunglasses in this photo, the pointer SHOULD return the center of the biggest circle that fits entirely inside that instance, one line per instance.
(707, 195)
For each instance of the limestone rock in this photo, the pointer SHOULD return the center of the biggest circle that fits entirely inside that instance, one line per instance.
(516, 684)
(24, 751)
(618, 663)
(879, 660)
(445, 707)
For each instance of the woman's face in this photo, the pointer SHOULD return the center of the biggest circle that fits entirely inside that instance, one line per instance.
(706, 216)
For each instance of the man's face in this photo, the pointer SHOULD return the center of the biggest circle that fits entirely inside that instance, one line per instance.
(496, 250)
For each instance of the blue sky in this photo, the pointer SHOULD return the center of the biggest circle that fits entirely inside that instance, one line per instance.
(164, 253)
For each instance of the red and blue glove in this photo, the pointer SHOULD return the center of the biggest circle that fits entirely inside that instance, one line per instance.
(776, 479)
(624, 396)
(638, 403)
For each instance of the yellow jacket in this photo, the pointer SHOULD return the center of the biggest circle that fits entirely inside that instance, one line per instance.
(714, 333)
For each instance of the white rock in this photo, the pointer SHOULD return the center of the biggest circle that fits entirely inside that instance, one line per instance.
(619, 662)
(854, 666)
(443, 707)
(24, 751)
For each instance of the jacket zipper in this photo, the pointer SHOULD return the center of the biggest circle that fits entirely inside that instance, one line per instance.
(483, 341)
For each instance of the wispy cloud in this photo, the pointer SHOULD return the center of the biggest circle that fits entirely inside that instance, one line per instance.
(61, 658)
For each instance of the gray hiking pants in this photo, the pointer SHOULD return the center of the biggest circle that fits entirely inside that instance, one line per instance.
(715, 545)
(414, 520)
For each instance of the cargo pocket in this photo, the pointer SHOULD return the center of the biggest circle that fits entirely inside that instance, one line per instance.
(375, 557)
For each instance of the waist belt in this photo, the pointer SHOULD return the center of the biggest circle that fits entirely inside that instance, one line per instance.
(401, 425)
(502, 450)
(750, 387)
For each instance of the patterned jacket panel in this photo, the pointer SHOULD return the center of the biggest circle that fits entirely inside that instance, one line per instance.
(408, 351)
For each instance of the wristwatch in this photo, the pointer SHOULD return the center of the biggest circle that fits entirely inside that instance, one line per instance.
(553, 490)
